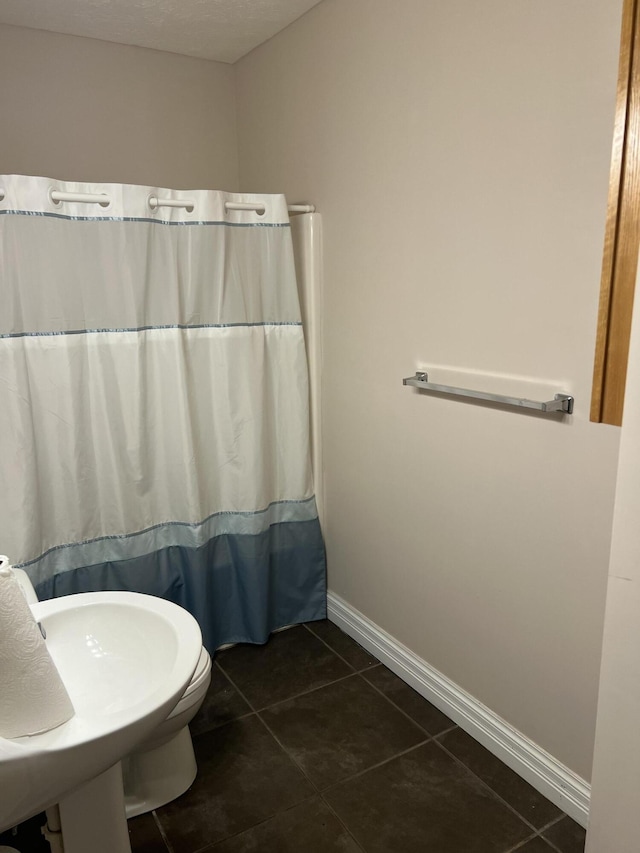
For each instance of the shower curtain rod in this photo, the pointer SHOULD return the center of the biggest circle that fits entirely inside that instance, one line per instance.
(154, 202)
(259, 208)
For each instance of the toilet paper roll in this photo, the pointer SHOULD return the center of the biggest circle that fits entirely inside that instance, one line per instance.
(33, 698)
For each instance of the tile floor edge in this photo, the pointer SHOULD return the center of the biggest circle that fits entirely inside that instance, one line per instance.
(545, 773)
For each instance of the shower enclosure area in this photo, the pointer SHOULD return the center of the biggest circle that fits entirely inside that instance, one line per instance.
(155, 427)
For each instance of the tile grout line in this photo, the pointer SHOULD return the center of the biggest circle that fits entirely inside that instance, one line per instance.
(434, 737)
(375, 766)
(343, 824)
(235, 719)
(357, 775)
(320, 792)
(162, 832)
(552, 846)
(539, 834)
(210, 848)
(316, 787)
(521, 844)
(256, 713)
(408, 716)
(236, 688)
(258, 709)
(259, 713)
(287, 753)
(548, 826)
(553, 822)
(337, 654)
(242, 716)
(316, 790)
(306, 692)
(261, 708)
(459, 761)
(446, 731)
(361, 673)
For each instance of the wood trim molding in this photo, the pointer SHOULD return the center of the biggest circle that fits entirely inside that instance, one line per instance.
(622, 233)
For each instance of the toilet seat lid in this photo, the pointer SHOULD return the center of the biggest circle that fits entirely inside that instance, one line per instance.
(203, 667)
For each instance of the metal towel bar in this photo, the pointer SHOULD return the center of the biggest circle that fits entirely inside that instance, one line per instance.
(560, 403)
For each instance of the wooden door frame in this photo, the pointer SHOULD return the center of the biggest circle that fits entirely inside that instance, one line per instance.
(622, 232)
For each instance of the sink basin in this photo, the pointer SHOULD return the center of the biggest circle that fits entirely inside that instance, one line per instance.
(125, 659)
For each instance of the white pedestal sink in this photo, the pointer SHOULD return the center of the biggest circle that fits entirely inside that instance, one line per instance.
(125, 659)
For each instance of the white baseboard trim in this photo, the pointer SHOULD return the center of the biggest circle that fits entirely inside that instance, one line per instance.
(546, 774)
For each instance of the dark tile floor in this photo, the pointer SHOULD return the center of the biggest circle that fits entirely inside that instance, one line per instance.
(309, 745)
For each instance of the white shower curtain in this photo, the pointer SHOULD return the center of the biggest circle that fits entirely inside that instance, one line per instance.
(154, 426)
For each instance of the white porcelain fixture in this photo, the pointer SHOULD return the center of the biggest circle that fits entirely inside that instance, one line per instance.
(163, 766)
(28, 590)
(125, 659)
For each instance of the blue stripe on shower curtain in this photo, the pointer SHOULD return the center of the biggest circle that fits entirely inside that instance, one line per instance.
(155, 426)
(240, 587)
(242, 575)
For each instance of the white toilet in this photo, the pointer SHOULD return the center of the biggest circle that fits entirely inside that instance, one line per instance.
(163, 766)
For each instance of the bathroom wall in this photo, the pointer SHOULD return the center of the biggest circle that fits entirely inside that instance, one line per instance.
(81, 109)
(459, 154)
(614, 821)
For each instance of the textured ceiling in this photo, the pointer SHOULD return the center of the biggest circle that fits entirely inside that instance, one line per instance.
(223, 30)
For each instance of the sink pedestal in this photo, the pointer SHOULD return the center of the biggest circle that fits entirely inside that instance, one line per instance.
(93, 817)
